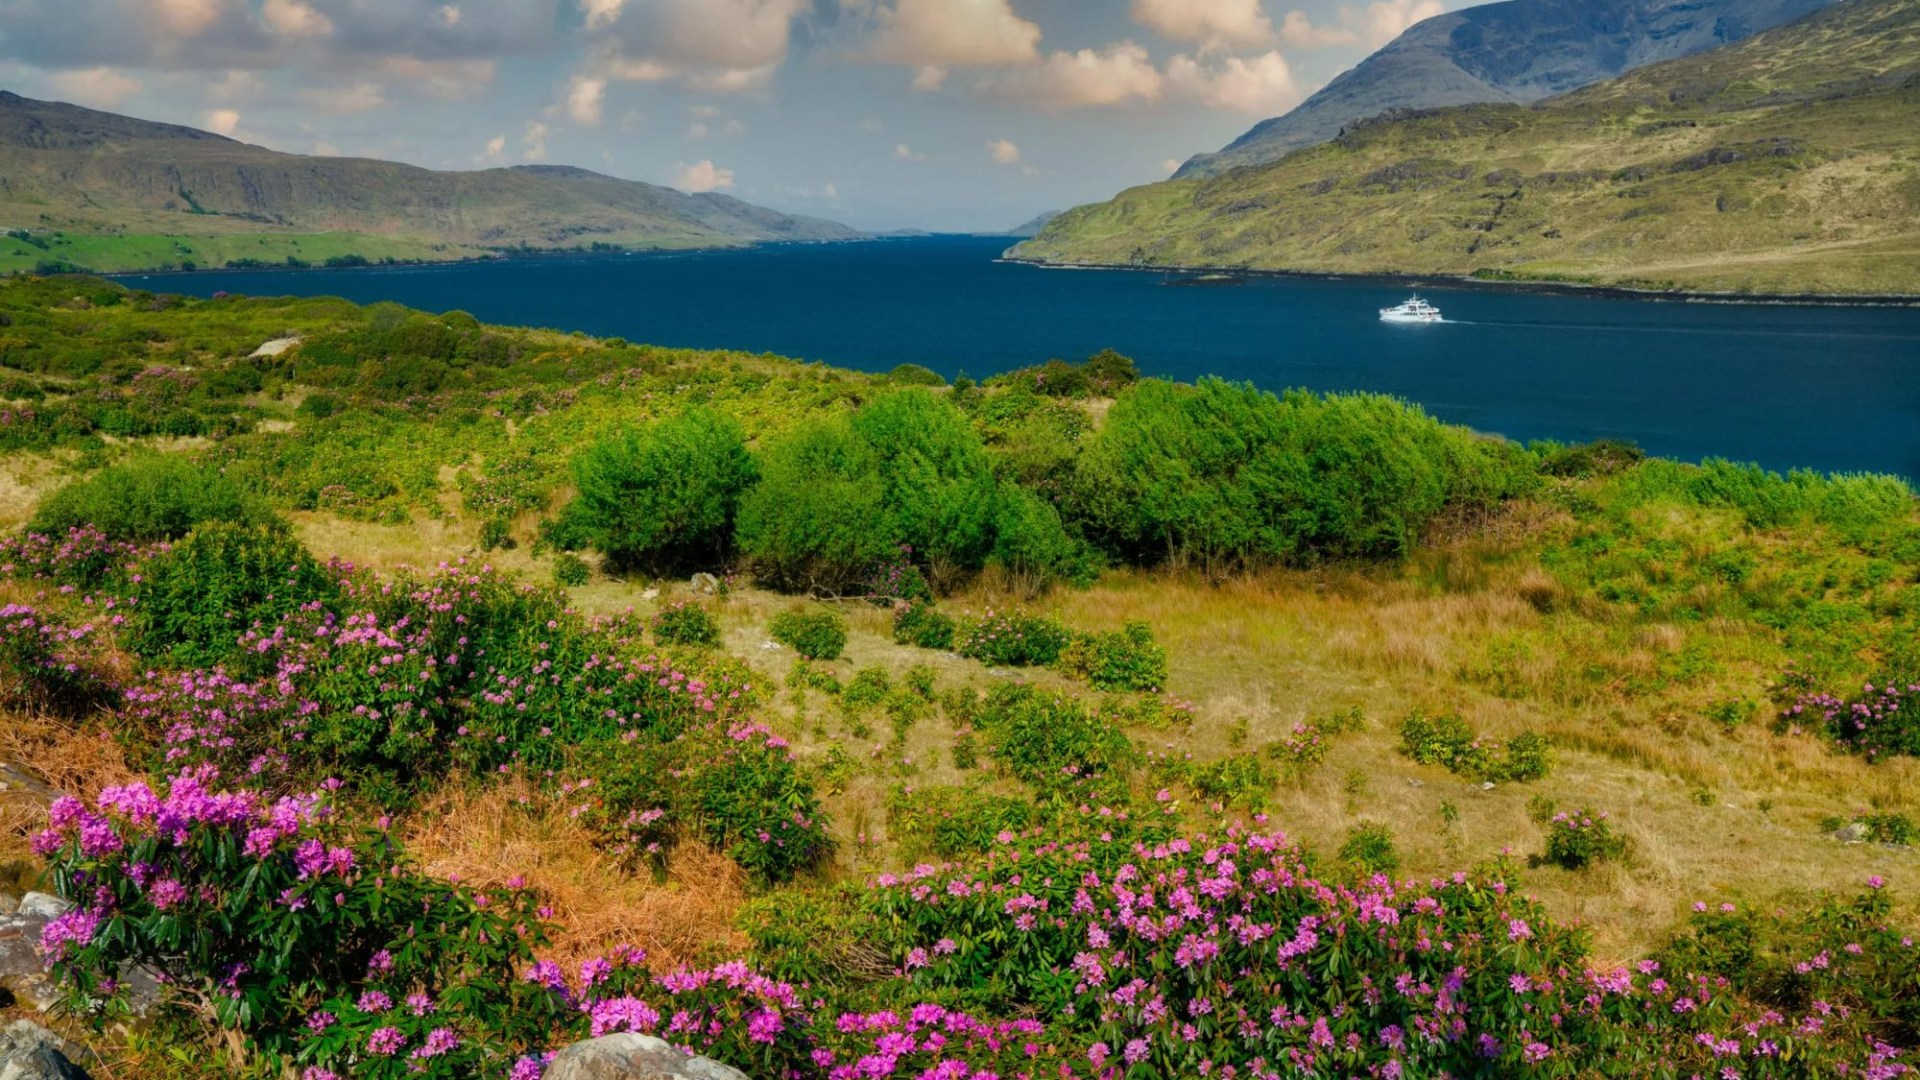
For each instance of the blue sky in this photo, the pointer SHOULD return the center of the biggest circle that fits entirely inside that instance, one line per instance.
(938, 114)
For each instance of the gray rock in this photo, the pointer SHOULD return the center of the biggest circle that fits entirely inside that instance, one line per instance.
(20, 947)
(1855, 833)
(704, 583)
(9, 904)
(31, 1052)
(633, 1057)
(39, 905)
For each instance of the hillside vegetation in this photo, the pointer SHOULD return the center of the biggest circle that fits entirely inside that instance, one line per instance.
(111, 193)
(1514, 52)
(1784, 164)
(434, 694)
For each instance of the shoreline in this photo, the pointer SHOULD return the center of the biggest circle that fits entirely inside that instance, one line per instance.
(1563, 288)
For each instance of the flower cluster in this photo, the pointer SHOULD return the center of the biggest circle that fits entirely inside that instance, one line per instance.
(1877, 721)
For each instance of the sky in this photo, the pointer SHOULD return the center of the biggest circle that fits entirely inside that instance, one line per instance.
(952, 115)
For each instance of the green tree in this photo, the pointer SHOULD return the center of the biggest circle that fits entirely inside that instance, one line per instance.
(817, 519)
(936, 482)
(665, 495)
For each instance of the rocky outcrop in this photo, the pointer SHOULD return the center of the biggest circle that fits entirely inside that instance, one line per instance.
(634, 1057)
(31, 1052)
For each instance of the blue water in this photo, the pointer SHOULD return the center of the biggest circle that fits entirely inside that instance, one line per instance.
(1834, 388)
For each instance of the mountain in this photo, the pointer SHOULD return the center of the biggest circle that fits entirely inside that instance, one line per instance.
(1789, 163)
(110, 184)
(1032, 228)
(1518, 52)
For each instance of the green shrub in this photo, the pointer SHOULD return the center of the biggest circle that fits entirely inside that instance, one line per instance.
(805, 675)
(953, 823)
(570, 571)
(1579, 838)
(920, 680)
(915, 375)
(1369, 850)
(1032, 547)
(818, 634)
(868, 688)
(923, 626)
(937, 487)
(47, 664)
(817, 520)
(1240, 780)
(1052, 741)
(1120, 661)
(754, 802)
(1448, 741)
(965, 751)
(496, 534)
(663, 496)
(147, 499)
(1011, 639)
(685, 622)
(193, 602)
(1896, 829)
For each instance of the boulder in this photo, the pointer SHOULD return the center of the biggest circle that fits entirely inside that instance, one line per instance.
(704, 583)
(31, 1052)
(634, 1057)
(39, 905)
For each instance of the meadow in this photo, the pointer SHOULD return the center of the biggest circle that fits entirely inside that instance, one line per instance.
(428, 695)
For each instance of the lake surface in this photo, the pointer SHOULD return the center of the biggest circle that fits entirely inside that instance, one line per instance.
(1835, 388)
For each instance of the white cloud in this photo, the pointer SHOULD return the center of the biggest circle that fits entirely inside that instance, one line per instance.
(534, 143)
(1384, 20)
(701, 177)
(450, 15)
(295, 19)
(1170, 166)
(1004, 152)
(495, 152)
(1299, 31)
(101, 87)
(1260, 86)
(903, 152)
(1213, 23)
(939, 34)
(222, 121)
(1115, 75)
(187, 18)
(585, 100)
(724, 46)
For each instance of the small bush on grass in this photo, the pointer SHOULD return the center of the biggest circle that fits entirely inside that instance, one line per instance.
(148, 499)
(1577, 839)
(819, 634)
(1895, 829)
(952, 823)
(48, 665)
(685, 622)
(570, 571)
(1054, 742)
(1369, 850)
(923, 626)
(1011, 639)
(868, 688)
(1122, 660)
(1447, 741)
(194, 602)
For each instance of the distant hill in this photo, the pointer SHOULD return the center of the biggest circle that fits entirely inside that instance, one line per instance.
(1787, 163)
(1519, 51)
(1032, 228)
(111, 184)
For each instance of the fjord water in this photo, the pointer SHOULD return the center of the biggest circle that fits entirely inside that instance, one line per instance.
(1833, 388)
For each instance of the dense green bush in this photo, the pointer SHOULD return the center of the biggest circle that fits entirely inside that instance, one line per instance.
(754, 802)
(1032, 546)
(816, 521)
(1768, 499)
(817, 634)
(665, 495)
(1369, 850)
(161, 497)
(1576, 839)
(923, 626)
(193, 602)
(937, 487)
(1054, 742)
(1222, 475)
(953, 823)
(685, 622)
(570, 571)
(1122, 660)
(1011, 639)
(47, 664)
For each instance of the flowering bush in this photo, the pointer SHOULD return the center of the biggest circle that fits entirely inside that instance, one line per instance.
(814, 635)
(194, 601)
(1877, 721)
(1182, 958)
(1054, 742)
(685, 622)
(1124, 660)
(1449, 742)
(46, 663)
(923, 626)
(82, 556)
(273, 919)
(1577, 839)
(1011, 639)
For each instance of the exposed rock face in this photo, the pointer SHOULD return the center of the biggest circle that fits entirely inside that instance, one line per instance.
(1519, 51)
(634, 1057)
(31, 1052)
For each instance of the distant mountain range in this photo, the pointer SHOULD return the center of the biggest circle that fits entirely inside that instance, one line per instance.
(1518, 51)
(108, 181)
(1787, 163)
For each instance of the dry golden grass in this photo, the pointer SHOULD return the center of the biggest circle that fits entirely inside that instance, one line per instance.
(486, 835)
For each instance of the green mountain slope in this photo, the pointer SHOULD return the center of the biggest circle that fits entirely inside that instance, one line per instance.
(1787, 163)
(123, 192)
(1516, 52)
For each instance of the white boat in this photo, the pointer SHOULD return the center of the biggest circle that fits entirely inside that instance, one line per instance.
(1415, 310)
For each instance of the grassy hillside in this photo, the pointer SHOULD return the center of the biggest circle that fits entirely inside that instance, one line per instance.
(1789, 163)
(1210, 622)
(106, 192)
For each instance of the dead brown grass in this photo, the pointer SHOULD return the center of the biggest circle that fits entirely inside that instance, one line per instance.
(489, 834)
